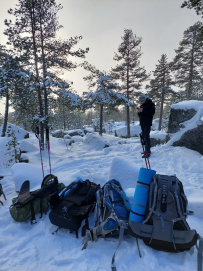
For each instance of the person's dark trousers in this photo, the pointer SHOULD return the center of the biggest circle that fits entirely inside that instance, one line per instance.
(146, 135)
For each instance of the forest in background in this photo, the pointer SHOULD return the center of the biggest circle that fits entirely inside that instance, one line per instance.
(34, 60)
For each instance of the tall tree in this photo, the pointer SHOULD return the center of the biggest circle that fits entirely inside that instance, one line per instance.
(25, 103)
(198, 6)
(128, 71)
(188, 61)
(33, 36)
(105, 94)
(67, 103)
(11, 76)
(160, 85)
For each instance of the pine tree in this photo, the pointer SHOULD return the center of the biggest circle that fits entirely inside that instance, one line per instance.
(33, 35)
(188, 61)
(160, 85)
(13, 147)
(66, 105)
(94, 74)
(11, 75)
(198, 6)
(128, 71)
(24, 103)
(105, 94)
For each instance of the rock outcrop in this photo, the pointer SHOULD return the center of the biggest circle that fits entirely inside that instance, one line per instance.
(185, 126)
(192, 139)
(177, 117)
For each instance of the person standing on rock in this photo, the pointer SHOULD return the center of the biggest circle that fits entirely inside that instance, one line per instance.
(145, 114)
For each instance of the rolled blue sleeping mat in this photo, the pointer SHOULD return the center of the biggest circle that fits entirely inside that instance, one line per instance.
(140, 198)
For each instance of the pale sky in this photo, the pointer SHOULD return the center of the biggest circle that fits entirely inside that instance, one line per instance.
(160, 24)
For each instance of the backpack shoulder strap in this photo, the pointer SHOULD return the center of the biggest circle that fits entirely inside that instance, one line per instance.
(123, 196)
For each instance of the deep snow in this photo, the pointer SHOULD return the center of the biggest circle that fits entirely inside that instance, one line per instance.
(33, 247)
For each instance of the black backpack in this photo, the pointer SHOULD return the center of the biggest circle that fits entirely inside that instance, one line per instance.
(73, 205)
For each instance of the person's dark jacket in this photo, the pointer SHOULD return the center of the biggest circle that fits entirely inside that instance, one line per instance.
(147, 113)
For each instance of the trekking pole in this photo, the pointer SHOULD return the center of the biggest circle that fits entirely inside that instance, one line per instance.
(38, 136)
(48, 146)
(145, 152)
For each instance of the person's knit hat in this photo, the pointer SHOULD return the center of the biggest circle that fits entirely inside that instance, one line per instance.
(142, 97)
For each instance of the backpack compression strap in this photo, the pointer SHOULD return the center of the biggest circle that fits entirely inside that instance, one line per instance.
(94, 233)
(123, 226)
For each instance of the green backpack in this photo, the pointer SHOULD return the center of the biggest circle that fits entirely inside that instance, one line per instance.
(27, 204)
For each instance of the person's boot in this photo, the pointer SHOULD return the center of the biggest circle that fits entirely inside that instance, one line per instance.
(146, 154)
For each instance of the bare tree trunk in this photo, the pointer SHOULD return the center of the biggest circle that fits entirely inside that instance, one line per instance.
(128, 120)
(64, 118)
(161, 110)
(191, 74)
(44, 77)
(101, 118)
(128, 108)
(32, 15)
(5, 121)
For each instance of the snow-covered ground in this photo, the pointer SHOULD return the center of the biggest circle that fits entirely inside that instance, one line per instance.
(33, 247)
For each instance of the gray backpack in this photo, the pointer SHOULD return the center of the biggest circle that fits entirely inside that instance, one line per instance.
(165, 226)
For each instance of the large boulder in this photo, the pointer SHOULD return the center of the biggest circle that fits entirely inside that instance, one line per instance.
(192, 139)
(76, 132)
(185, 127)
(62, 133)
(177, 117)
(59, 133)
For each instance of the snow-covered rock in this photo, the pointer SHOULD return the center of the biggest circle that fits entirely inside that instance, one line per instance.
(135, 130)
(158, 137)
(77, 138)
(76, 132)
(186, 126)
(23, 171)
(59, 133)
(95, 141)
(19, 132)
(88, 130)
(27, 147)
